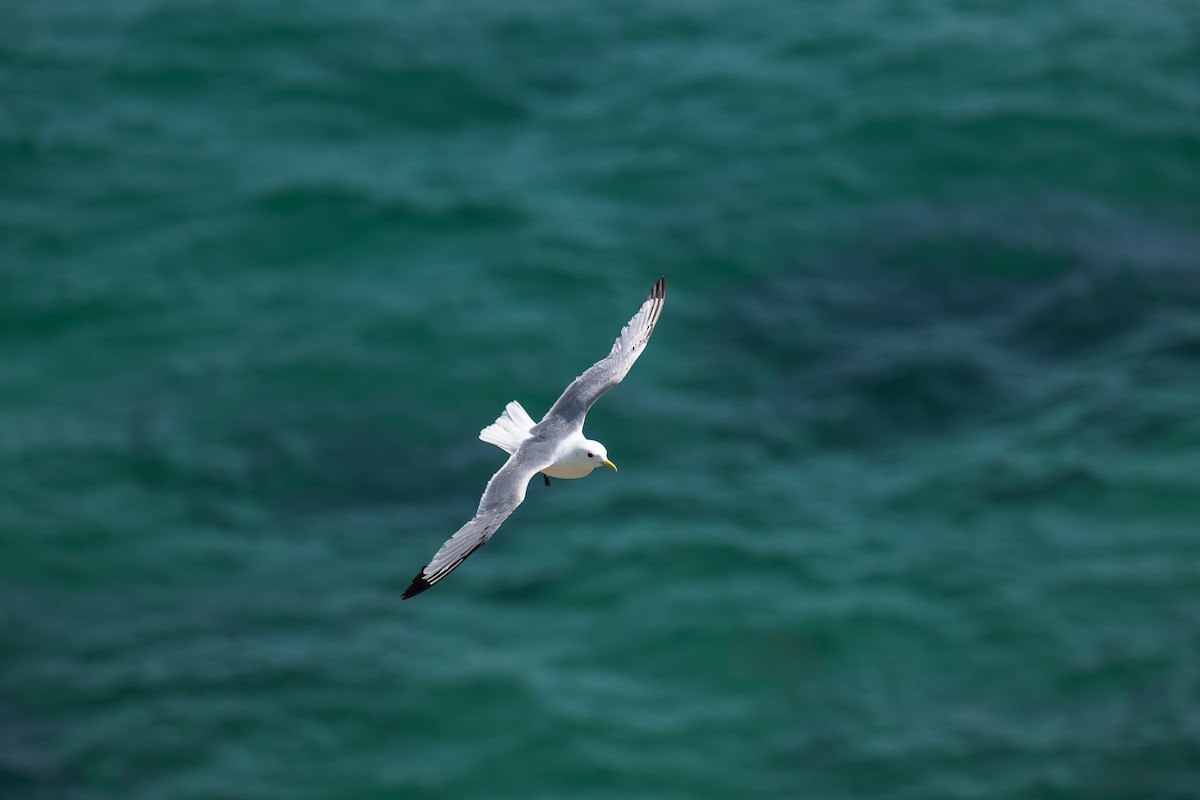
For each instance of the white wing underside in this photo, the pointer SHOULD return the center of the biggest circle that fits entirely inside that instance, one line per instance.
(506, 489)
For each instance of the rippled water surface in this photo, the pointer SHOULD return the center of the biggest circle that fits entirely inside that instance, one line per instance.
(909, 501)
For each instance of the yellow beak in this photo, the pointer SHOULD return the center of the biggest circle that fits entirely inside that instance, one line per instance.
(609, 464)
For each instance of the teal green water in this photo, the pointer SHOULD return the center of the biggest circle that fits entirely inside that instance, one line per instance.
(909, 501)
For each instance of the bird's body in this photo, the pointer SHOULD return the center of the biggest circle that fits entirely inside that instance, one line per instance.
(555, 446)
(568, 462)
(514, 428)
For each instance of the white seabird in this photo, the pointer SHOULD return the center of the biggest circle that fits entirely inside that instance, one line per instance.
(555, 447)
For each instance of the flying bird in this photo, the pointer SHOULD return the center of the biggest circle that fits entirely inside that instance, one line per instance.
(555, 447)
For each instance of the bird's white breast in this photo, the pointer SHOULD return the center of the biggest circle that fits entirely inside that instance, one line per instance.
(567, 470)
(570, 461)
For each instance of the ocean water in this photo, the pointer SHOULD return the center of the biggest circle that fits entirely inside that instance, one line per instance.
(909, 500)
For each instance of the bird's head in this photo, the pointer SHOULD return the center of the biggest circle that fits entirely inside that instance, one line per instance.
(595, 455)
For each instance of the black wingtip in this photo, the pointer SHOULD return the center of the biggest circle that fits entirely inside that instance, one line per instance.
(658, 290)
(418, 585)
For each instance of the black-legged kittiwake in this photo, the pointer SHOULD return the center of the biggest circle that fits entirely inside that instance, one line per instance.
(555, 447)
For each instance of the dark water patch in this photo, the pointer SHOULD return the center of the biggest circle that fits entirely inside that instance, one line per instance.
(913, 395)
(995, 484)
(168, 80)
(440, 98)
(32, 762)
(34, 162)
(991, 263)
(299, 65)
(531, 589)
(300, 469)
(183, 27)
(347, 206)
(1098, 310)
(311, 223)
(24, 320)
(958, 318)
(1180, 343)
(355, 468)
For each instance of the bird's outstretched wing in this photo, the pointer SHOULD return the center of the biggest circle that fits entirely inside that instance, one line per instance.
(506, 490)
(503, 494)
(570, 409)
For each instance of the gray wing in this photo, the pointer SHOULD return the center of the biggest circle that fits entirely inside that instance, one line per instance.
(503, 494)
(606, 373)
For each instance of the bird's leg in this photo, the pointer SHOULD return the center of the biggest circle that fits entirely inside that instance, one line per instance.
(546, 478)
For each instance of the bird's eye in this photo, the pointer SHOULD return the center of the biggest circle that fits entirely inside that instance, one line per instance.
(590, 455)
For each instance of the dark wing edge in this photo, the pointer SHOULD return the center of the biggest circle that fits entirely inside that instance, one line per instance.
(422, 582)
(470, 537)
(606, 373)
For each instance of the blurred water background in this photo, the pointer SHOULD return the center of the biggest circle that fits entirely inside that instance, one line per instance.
(909, 501)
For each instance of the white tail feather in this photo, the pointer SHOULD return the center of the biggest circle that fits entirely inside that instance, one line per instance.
(510, 428)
